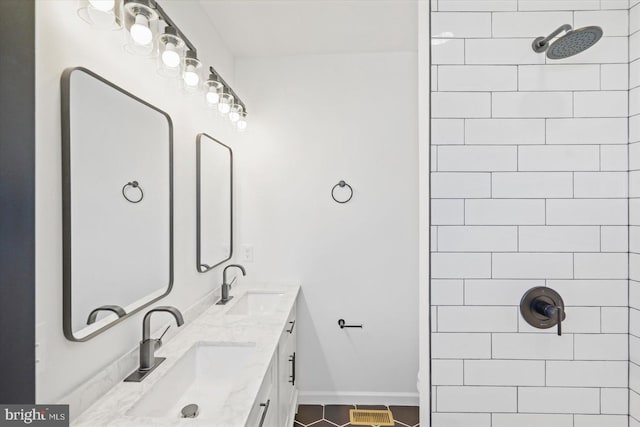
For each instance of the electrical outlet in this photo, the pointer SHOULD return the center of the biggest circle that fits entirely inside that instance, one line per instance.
(246, 253)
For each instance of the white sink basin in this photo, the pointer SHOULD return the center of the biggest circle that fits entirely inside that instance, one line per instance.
(205, 375)
(254, 302)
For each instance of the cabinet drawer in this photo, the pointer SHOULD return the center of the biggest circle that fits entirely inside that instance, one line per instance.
(287, 369)
(266, 401)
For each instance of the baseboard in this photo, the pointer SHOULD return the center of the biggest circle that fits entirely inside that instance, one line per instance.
(357, 398)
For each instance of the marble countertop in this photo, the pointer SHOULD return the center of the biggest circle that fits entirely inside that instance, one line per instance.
(214, 325)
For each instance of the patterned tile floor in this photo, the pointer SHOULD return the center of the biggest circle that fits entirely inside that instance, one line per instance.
(338, 415)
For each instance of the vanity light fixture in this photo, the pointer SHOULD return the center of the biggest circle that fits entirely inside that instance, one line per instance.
(226, 100)
(234, 113)
(171, 47)
(141, 22)
(213, 89)
(192, 69)
(170, 52)
(241, 124)
(176, 55)
(103, 14)
(103, 5)
(140, 31)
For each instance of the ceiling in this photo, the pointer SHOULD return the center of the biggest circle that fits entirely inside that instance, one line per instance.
(297, 27)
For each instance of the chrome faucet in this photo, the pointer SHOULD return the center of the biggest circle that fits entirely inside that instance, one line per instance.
(225, 298)
(148, 345)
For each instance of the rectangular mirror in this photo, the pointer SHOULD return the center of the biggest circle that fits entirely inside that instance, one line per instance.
(214, 171)
(117, 203)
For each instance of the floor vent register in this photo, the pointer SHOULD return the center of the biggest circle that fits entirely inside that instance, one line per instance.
(365, 417)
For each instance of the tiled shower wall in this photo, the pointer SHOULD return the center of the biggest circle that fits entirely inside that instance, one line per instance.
(529, 188)
(634, 213)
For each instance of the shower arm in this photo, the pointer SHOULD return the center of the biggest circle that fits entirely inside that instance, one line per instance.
(542, 43)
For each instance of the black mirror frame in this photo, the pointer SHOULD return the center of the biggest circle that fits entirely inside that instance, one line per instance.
(65, 86)
(200, 266)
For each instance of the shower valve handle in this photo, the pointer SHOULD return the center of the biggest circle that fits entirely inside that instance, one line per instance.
(543, 308)
(551, 311)
(559, 313)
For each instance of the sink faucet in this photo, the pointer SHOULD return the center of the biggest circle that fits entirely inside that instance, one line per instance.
(148, 345)
(225, 298)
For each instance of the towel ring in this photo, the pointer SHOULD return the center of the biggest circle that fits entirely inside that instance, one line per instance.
(133, 184)
(341, 184)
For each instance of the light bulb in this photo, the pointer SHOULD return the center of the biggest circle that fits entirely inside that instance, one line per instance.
(224, 108)
(241, 124)
(234, 113)
(170, 57)
(140, 31)
(213, 97)
(102, 5)
(190, 76)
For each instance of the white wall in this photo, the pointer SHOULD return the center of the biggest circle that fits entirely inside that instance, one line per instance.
(529, 189)
(316, 120)
(64, 40)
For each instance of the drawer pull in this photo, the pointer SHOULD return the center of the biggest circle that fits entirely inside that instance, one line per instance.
(293, 325)
(264, 412)
(292, 377)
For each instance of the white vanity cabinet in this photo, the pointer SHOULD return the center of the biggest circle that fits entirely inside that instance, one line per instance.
(264, 412)
(276, 401)
(287, 394)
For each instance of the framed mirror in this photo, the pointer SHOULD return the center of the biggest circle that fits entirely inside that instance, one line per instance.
(117, 176)
(214, 171)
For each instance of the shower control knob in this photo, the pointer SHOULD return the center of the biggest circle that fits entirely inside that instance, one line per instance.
(543, 308)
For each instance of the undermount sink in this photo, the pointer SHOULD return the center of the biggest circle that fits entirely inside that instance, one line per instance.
(254, 302)
(205, 376)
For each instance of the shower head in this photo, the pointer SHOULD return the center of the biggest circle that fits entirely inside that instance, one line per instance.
(572, 43)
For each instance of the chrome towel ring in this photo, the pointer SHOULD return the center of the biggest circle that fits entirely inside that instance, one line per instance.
(132, 184)
(341, 184)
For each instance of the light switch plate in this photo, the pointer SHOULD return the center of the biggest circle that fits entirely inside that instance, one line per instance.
(246, 253)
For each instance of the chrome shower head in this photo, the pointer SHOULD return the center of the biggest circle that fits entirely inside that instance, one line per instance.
(572, 43)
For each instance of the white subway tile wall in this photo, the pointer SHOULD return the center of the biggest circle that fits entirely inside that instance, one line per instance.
(634, 215)
(530, 187)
